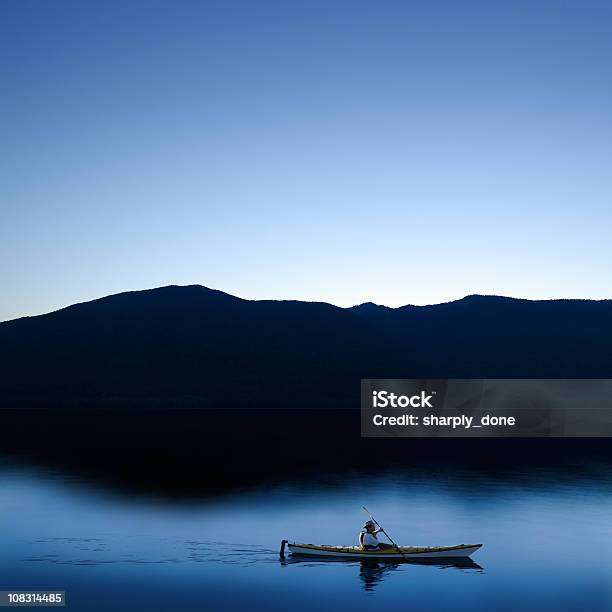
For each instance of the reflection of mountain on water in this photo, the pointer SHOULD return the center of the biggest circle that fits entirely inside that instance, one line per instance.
(189, 453)
(374, 572)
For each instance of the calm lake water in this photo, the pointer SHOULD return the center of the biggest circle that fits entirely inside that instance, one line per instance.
(547, 542)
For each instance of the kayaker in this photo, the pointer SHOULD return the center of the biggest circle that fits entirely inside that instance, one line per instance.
(368, 539)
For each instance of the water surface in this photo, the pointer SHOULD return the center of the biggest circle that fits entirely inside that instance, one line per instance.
(547, 542)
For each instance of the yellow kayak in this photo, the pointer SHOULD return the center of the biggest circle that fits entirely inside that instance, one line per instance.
(402, 552)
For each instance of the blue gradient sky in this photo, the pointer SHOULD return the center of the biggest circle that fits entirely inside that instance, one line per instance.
(399, 152)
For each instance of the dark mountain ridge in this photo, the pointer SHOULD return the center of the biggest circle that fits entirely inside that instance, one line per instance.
(194, 346)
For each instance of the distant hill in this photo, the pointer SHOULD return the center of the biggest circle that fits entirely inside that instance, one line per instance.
(193, 346)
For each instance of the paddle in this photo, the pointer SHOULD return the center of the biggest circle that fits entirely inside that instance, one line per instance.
(399, 550)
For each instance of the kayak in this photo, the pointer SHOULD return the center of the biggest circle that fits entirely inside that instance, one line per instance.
(407, 552)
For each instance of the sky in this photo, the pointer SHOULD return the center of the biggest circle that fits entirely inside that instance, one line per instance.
(394, 152)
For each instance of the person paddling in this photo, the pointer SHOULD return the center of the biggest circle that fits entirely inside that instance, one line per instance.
(368, 539)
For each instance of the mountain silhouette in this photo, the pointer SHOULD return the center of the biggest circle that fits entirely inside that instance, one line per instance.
(194, 346)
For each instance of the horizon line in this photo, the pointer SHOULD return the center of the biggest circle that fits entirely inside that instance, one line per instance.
(367, 303)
